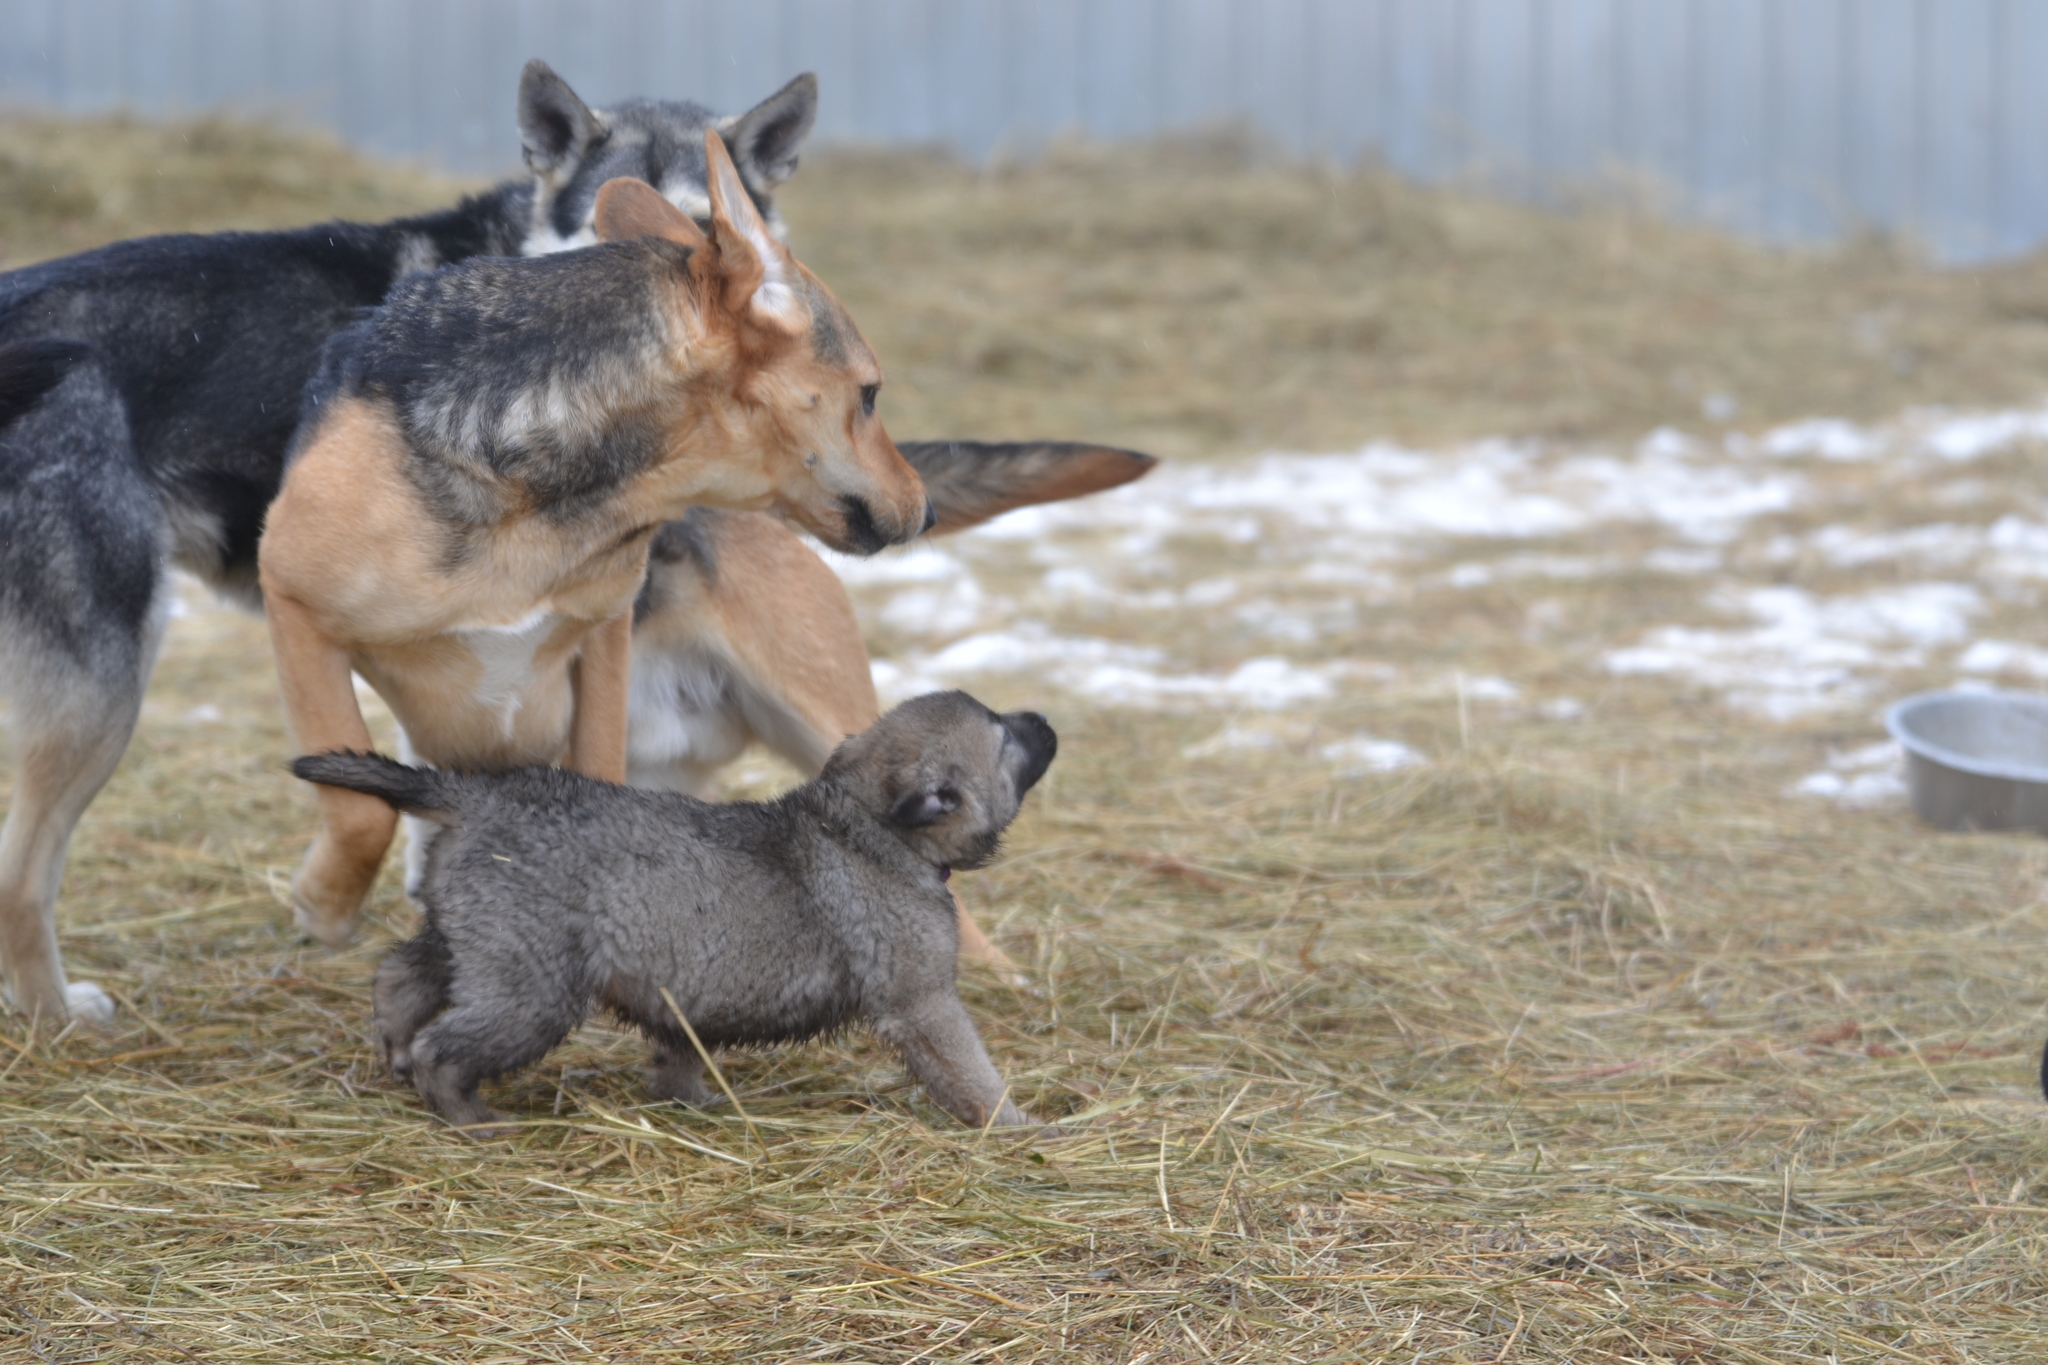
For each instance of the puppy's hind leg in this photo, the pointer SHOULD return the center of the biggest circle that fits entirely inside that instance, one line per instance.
(940, 1046)
(504, 1019)
(412, 987)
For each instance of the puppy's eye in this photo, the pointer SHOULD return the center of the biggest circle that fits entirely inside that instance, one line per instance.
(867, 399)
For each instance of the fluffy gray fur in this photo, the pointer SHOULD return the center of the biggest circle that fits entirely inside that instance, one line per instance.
(552, 894)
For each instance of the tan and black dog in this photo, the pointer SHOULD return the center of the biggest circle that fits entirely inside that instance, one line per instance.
(549, 895)
(483, 461)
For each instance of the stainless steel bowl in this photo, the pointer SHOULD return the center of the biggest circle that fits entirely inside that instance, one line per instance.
(1975, 760)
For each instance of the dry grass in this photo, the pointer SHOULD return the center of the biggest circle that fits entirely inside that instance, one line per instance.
(1583, 1044)
(1194, 298)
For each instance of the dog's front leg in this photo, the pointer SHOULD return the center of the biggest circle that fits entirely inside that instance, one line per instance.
(939, 1044)
(603, 682)
(320, 704)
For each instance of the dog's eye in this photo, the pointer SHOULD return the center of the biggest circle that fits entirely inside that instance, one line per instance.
(867, 399)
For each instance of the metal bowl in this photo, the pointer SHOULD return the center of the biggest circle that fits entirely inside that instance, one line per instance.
(1975, 760)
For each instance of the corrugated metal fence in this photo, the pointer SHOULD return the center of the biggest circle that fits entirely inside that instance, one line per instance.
(1795, 119)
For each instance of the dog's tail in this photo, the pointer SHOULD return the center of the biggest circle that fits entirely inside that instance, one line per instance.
(424, 792)
(30, 369)
(971, 481)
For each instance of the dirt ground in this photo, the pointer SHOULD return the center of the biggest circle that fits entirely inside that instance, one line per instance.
(1472, 917)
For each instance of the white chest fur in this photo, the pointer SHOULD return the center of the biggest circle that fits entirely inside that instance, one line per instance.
(505, 655)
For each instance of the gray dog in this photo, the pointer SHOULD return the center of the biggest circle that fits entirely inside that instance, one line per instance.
(552, 893)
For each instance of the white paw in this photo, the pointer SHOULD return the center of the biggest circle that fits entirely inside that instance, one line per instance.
(88, 1002)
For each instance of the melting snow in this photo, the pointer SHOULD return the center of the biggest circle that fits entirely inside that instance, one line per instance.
(1310, 538)
(1362, 754)
(1859, 779)
(2004, 656)
(1807, 653)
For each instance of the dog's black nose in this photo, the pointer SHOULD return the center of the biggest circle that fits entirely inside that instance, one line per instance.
(931, 517)
(1034, 734)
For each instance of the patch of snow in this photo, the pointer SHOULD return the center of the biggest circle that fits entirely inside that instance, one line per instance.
(1269, 618)
(1489, 689)
(1830, 438)
(1683, 560)
(919, 564)
(1940, 543)
(1233, 737)
(2004, 656)
(1209, 592)
(1495, 489)
(936, 611)
(1563, 708)
(1362, 754)
(1873, 775)
(1115, 673)
(1972, 435)
(2021, 548)
(1474, 574)
(1809, 653)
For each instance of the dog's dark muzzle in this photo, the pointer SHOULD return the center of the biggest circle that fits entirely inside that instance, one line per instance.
(1035, 736)
(864, 536)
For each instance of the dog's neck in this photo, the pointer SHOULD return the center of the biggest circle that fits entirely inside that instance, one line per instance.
(493, 223)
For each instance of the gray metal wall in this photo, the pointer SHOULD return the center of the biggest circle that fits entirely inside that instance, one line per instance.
(1796, 119)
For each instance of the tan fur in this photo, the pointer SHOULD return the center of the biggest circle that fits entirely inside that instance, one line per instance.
(517, 651)
(601, 677)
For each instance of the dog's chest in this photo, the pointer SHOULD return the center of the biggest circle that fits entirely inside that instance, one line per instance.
(506, 658)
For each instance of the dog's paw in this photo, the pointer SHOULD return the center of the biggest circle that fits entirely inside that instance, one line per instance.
(326, 930)
(88, 1002)
(328, 891)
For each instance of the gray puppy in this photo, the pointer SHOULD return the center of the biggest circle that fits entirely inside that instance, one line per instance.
(552, 893)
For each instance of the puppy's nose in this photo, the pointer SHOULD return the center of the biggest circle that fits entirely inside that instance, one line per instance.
(931, 517)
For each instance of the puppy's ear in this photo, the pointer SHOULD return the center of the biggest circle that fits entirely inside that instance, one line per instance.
(924, 807)
(628, 208)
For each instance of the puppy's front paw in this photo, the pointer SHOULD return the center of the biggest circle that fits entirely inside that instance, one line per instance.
(1010, 1116)
(88, 1002)
(490, 1124)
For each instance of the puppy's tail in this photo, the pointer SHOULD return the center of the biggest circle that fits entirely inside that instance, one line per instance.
(416, 791)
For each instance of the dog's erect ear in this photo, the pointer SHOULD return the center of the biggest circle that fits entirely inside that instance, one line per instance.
(924, 807)
(759, 275)
(556, 126)
(764, 141)
(971, 481)
(628, 208)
